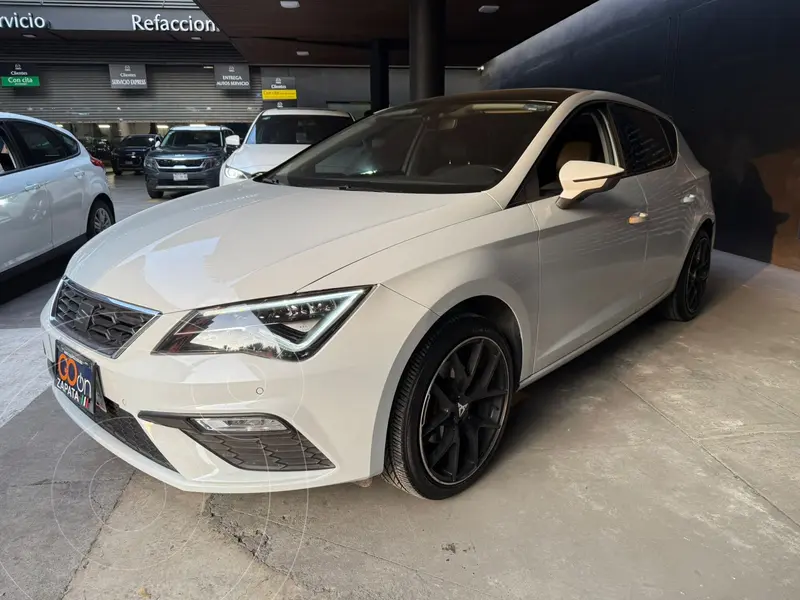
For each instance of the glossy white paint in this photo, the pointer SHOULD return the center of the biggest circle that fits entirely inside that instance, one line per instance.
(47, 206)
(569, 276)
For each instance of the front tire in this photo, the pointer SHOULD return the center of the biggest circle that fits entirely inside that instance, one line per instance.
(117, 172)
(451, 409)
(685, 301)
(101, 217)
(155, 194)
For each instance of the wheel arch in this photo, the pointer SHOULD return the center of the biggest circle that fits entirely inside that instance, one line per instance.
(499, 305)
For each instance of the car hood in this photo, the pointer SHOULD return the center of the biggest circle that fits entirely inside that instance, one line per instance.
(253, 158)
(253, 240)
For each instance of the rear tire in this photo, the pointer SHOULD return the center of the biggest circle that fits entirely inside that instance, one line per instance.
(101, 217)
(451, 409)
(685, 301)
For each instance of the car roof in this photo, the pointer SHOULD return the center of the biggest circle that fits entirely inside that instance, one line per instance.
(305, 111)
(557, 95)
(18, 117)
(199, 128)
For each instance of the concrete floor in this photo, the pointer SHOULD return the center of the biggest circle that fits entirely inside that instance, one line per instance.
(663, 464)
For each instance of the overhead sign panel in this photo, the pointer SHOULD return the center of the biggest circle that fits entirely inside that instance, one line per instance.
(232, 77)
(19, 75)
(278, 91)
(128, 76)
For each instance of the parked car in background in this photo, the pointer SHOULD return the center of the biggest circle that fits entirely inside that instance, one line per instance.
(53, 193)
(130, 151)
(188, 159)
(278, 134)
(372, 305)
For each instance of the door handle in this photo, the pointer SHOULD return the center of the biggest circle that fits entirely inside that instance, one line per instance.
(78, 174)
(31, 187)
(636, 218)
(688, 199)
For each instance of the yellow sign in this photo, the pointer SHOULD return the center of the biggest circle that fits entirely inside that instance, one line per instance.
(279, 94)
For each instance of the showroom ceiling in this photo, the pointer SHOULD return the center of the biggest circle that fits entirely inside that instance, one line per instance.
(338, 32)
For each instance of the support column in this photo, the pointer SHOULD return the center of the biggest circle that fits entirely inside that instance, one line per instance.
(379, 75)
(426, 41)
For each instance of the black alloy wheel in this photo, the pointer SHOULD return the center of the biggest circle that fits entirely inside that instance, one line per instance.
(464, 409)
(699, 268)
(684, 303)
(451, 409)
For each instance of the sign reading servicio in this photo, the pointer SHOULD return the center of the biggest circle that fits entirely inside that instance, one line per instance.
(127, 77)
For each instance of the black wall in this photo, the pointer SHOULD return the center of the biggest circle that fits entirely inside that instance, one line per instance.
(726, 70)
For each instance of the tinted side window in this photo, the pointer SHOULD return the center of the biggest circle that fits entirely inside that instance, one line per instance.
(8, 160)
(644, 143)
(70, 144)
(40, 144)
(672, 137)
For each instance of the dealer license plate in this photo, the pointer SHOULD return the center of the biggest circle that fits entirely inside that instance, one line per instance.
(180, 177)
(75, 376)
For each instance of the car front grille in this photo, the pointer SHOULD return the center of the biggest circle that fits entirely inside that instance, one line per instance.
(175, 164)
(287, 450)
(103, 324)
(124, 426)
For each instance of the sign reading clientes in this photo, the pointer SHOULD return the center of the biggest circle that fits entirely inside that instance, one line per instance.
(126, 77)
(18, 75)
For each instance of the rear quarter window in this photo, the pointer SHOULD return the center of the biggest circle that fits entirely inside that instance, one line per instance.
(645, 144)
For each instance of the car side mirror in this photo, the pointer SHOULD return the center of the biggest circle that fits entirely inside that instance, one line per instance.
(582, 178)
(233, 141)
(157, 144)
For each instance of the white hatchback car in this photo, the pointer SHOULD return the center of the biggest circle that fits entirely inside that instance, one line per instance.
(276, 135)
(53, 194)
(323, 324)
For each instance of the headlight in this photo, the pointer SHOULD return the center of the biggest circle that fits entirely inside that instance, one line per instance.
(231, 173)
(150, 163)
(291, 328)
(212, 162)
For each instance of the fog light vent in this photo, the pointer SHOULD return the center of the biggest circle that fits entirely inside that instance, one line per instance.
(239, 424)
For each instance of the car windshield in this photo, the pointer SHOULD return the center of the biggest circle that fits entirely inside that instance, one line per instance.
(296, 129)
(432, 147)
(185, 138)
(136, 140)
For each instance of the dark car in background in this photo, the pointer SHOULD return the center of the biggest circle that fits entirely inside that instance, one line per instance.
(130, 151)
(188, 159)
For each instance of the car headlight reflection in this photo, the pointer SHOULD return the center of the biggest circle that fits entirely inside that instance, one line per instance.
(291, 328)
(232, 173)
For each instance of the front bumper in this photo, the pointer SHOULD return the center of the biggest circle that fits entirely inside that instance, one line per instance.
(164, 181)
(339, 399)
(125, 162)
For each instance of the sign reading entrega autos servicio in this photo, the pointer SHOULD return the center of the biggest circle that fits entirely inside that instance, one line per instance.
(232, 77)
(127, 77)
(18, 75)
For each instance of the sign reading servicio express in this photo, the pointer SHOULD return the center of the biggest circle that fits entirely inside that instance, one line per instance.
(19, 75)
(232, 77)
(128, 77)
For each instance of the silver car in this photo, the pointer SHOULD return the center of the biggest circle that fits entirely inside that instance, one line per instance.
(53, 194)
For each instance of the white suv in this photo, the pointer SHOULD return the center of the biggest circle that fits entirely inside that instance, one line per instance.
(276, 135)
(53, 194)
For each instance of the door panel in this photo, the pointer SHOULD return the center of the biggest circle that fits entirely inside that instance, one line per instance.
(25, 230)
(67, 189)
(591, 267)
(671, 195)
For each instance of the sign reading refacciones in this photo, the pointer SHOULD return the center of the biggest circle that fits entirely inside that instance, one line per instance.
(278, 91)
(232, 77)
(128, 77)
(19, 75)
